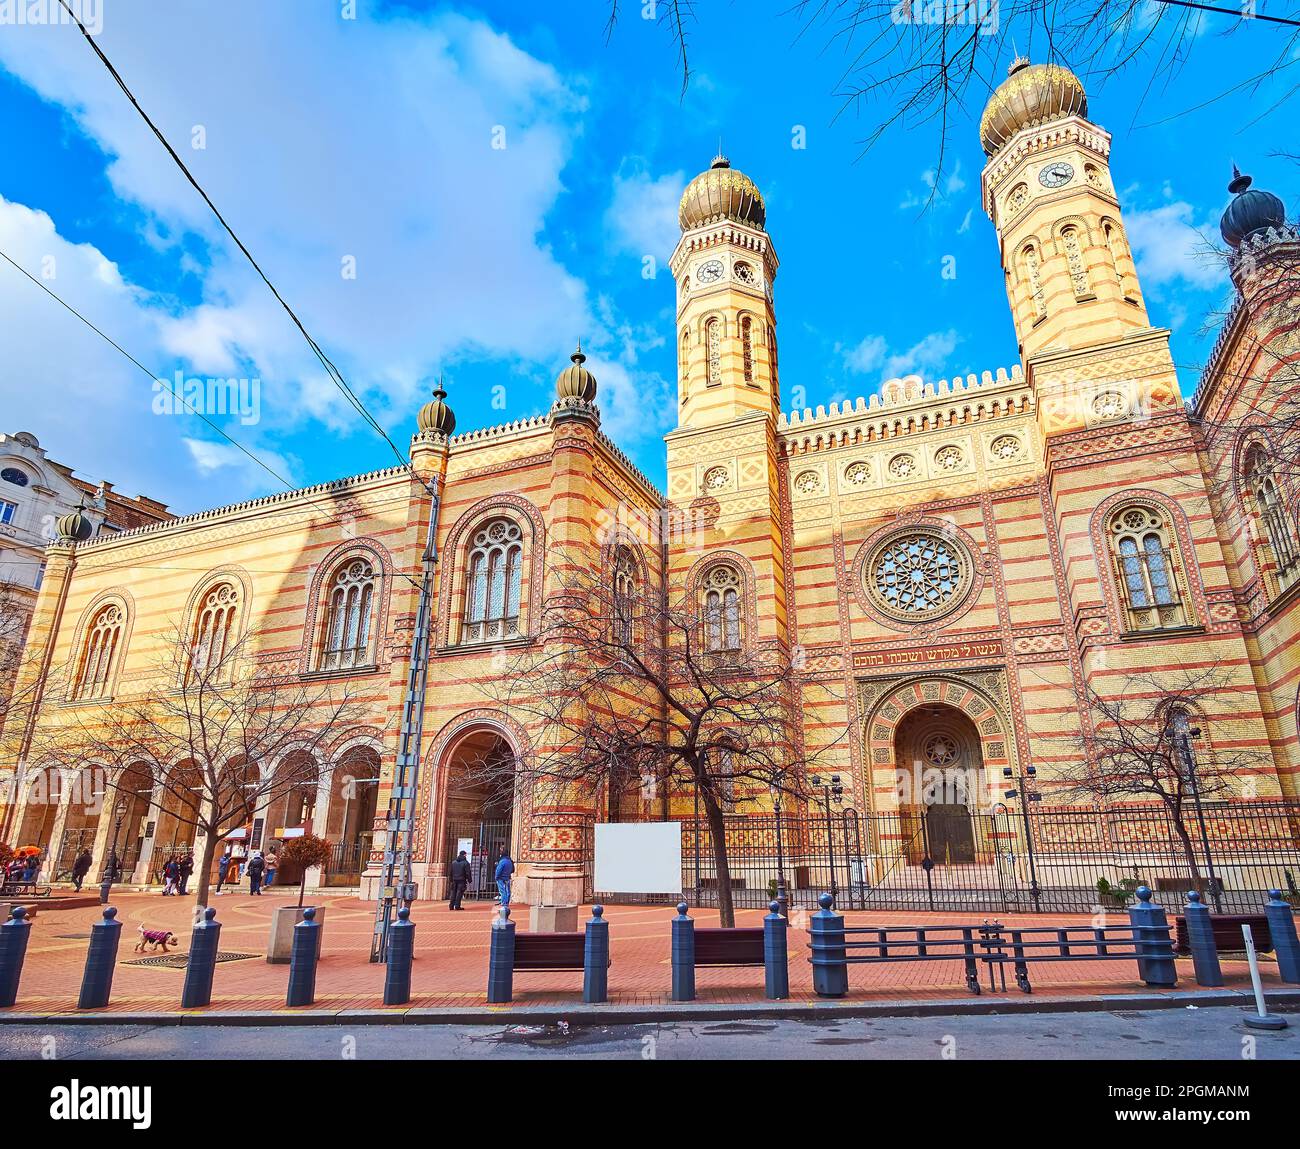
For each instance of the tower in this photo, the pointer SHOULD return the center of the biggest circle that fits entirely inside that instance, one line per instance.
(724, 266)
(1070, 277)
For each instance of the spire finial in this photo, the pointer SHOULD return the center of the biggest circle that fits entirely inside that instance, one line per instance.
(1238, 183)
(578, 357)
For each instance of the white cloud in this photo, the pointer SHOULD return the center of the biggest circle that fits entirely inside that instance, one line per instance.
(926, 357)
(642, 216)
(1170, 246)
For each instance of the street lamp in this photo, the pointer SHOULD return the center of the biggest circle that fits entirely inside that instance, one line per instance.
(110, 874)
(781, 896)
(1183, 735)
(1025, 791)
(832, 790)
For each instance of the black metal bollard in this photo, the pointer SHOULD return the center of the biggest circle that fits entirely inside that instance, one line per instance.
(501, 959)
(776, 968)
(14, 935)
(1155, 948)
(101, 957)
(1200, 936)
(829, 957)
(1286, 947)
(302, 960)
(401, 952)
(683, 955)
(595, 959)
(202, 964)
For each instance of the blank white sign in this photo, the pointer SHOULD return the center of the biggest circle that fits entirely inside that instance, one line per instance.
(638, 858)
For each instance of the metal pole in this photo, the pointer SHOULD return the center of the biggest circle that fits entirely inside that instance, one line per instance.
(830, 838)
(1189, 764)
(697, 840)
(395, 884)
(1034, 891)
(781, 894)
(1262, 1019)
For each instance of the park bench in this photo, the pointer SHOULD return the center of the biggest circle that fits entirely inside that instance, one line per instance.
(968, 944)
(11, 889)
(1227, 933)
(1078, 943)
(729, 947)
(536, 952)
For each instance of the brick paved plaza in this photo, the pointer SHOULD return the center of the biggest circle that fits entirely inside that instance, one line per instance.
(451, 966)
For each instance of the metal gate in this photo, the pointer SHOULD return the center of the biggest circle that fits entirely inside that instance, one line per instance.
(484, 842)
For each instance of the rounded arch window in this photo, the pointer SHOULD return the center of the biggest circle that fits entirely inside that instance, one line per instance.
(15, 475)
(721, 594)
(349, 615)
(494, 581)
(917, 575)
(1147, 567)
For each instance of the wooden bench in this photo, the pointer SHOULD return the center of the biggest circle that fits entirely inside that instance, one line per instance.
(729, 947)
(1227, 933)
(24, 890)
(534, 952)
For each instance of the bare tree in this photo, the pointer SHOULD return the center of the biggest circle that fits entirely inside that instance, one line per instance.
(215, 733)
(1145, 742)
(639, 693)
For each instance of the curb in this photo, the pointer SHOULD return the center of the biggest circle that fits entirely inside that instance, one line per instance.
(582, 1014)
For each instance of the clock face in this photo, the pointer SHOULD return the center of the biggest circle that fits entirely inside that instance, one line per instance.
(709, 272)
(1055, 175)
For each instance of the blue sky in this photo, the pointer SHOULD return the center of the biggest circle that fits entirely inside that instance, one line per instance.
(331, 143)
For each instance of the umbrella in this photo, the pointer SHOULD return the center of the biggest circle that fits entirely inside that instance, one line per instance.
(27, 851)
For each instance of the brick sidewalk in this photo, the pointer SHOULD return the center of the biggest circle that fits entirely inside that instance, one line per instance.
(452, 949)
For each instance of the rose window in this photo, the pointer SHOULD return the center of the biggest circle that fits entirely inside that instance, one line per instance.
(902, 466)
(857, 474)
(715, 478)
(1005, 447)
(1109, 405)
(941, 750)
(949, 458)
(918, 575)
(808, 483)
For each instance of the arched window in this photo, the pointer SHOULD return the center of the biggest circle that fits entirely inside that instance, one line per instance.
(15, 476)
(1034, 278)
(493, 581)
(99, 653)
(624, 596)
(1146, 564)
(1114, 246)
(713, 349)
(1074, 258)
(747, 347)
(1272, 520)
(215, 627)
(684, 368)
(722, 609)
(349, 616)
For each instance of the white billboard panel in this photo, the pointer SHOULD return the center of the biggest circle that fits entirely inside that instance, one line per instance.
(638, 858)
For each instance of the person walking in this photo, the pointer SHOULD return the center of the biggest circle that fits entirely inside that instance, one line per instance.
(80, 868)
(504, 871)
(256, 868)
(223, 868)
(460, 875)
(184, 868)
(170, 873)
(272, 864)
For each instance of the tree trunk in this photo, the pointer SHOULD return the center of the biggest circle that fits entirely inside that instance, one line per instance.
(1198, 880)
(203, 872)
(722, 868)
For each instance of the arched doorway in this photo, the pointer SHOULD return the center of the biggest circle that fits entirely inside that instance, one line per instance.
(126, 813)
(182, 793)
(479, 805)
(937, 753)
(295, 786)
(350, 822)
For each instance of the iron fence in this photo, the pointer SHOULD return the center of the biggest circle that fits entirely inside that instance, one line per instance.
(950, 859)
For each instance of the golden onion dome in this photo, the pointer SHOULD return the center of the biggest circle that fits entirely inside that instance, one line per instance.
(575, 381)
(721, 193)
(74, 528)
(1031, 94)
(435, 415)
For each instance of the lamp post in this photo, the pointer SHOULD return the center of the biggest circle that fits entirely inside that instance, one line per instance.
(1024, 790)
(781, 895)
(110, 873)
(1183, 735)
(832, 789)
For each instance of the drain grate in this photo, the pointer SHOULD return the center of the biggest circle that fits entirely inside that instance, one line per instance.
(180, 961)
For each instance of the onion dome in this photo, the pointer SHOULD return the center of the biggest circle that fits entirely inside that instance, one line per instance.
(435, 415)
(74, 528)
(721, 193)
(576, 382)
(1031, 94)
(1250, 211)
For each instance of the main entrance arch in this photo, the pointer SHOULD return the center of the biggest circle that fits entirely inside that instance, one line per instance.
(940, 769)
(479, 802)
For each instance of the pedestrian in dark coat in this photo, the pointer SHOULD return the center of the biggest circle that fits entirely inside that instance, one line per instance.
(255, 869)
(459, 876)
(184, 868)
(80, 868)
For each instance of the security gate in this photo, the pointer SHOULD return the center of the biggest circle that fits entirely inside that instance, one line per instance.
(484, 842)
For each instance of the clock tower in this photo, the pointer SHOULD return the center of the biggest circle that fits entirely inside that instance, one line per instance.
(724, 266)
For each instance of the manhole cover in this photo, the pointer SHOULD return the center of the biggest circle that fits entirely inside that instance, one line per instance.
(180, 961)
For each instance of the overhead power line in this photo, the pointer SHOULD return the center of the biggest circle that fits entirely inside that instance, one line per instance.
(331, 370)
